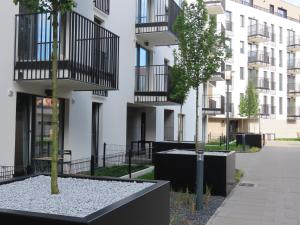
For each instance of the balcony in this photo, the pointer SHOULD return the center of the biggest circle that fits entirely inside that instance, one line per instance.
(215, 7)
(293, 88)
(88, 55)
(293, 66)
(258, 33)
(219, 75)
(102, 5)
(265, 110)
(263, 84)
(258, 59)
(293, 112)
(152, 84)
(213, 104)
(293, 43)
(155, 20)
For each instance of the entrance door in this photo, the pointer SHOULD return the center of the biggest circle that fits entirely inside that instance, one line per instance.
(95, 130)
(23, 127)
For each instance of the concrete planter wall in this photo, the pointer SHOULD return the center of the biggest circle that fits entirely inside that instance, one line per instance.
(179, 167)
(147, 207)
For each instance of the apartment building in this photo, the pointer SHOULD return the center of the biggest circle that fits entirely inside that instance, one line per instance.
(113, 79)
(264, 40)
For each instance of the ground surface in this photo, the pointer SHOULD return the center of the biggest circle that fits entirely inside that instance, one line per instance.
(275, 198)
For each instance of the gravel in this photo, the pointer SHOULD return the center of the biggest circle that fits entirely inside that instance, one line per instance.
(77, 198)
(183, 210)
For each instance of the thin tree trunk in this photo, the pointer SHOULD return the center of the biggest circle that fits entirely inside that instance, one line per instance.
(54, 160)
(180, 125)
(199, 163)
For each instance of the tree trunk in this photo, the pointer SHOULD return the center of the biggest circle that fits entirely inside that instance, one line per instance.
(54, 152)
(180, 125)
(199, 163)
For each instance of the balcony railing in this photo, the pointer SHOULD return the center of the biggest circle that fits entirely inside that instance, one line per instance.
(152, 84)
(293, 87)
(258, 57)
(265, 109)
(102, 5)
(293, 43)
(293, 111)
(87, 52)
(213, 104)
(102, 93)
(259, 30)
(293, 65)
(263, 83)
(156, 16)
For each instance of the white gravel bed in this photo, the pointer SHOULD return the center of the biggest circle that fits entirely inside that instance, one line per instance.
(78, 197)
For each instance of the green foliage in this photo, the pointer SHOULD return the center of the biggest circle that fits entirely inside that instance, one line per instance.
(201, 50)
(179, 85)
(249, 103)
(147, 176)
(47, 5)
(238, 175)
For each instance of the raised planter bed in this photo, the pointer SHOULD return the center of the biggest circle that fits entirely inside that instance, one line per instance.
(252, 140)
(147, 204)
(179, 167)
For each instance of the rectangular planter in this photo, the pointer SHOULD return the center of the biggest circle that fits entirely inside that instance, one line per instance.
(179, 167)
(148, 207)
(252, 140)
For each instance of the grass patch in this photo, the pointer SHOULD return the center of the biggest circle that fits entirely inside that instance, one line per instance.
(147, 176)
(238, 175)
(232, 147)
(118, 171)
(287, 139)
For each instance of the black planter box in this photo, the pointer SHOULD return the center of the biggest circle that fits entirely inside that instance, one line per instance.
(168, 145)
(179, 167)
(147, 207)
(252, 140)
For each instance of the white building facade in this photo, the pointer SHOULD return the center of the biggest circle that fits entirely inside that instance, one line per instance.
(264, 40)
(114, 59)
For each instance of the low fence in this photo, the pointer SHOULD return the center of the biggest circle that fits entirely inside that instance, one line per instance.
(138, 153)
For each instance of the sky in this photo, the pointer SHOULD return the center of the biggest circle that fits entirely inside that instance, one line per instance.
(296, 2)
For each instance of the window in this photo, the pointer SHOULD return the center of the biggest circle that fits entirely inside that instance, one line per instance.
(280, 35)
(272, 9)
(228, 21)
(291, 37)
(280, 82)
(242, 73)
(272, 33)
(272, 57)
(280, 58)
(242, 47)
(280, 106)
(282, 12)
(242, 20)
(272, 105)
(272, 81)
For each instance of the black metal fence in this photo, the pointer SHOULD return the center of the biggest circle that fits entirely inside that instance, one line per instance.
(161, 16)
(87, 52)
(103, 5)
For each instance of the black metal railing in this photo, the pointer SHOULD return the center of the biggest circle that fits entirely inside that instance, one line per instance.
(293, 87)
(152, 83)
(273, 109)
(265, 109)
(213, 104)
(293, 64)
(9, 172)
(228, 25)
(258, 57)
(259, 30)
(160, 17)
(86, 51)
(293, 111)
(263, 83)
(103, 5)
(293, 41)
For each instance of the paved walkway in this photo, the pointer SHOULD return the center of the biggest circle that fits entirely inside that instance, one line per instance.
(275, 199)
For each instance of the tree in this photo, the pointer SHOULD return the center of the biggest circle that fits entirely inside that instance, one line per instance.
(201, 51)
(54, 7)
(249, 106)
(179, 90)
